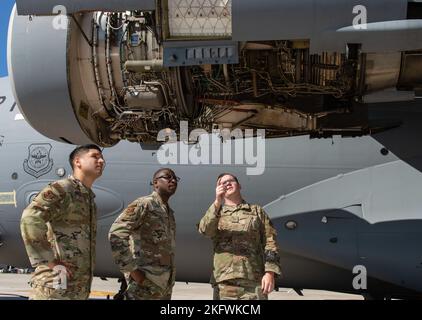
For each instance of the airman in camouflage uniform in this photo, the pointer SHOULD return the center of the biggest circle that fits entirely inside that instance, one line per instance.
(246, 254)
(59, 229)
(143, 241)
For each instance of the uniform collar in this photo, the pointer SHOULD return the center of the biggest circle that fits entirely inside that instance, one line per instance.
(157, 197)
(78, 184)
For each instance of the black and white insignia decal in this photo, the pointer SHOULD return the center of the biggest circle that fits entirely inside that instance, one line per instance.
(38, 162)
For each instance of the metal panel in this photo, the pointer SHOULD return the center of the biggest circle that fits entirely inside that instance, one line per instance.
(199, 18)
(317, 20)
(45, 7)
(197, 53)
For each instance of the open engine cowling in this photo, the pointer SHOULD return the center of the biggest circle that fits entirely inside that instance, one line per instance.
(101, 77)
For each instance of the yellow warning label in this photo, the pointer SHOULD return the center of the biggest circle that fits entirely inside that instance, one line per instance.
(8, 198)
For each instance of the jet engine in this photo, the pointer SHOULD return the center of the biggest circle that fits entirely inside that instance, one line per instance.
(103, 71)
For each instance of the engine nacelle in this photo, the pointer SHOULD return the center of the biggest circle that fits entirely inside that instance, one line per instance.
(127, 74)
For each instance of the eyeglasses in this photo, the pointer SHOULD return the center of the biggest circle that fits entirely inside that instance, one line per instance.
(228, 181)
(169, 178)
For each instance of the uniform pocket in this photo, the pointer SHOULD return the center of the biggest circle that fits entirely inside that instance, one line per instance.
(135, 290)
(246, 223)
(48, 293)
(242, 222)
(77, 214)
(253, 224)
(234, 223)
(146, 290)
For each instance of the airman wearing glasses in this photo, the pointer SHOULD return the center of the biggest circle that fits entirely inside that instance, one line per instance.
(246, 254)
(143, 241)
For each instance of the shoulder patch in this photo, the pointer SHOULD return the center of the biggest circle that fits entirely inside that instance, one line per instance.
(58, 187)
(130, 210)
(48, 195)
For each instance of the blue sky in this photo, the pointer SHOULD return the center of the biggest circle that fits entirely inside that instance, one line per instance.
(5, 9)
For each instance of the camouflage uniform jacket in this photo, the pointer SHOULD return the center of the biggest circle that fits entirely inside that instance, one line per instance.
(143, 237)
(60, 224)
(244, 239)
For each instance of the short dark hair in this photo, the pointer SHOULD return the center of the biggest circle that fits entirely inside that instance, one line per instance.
(227, 174)
(161, 170)
(81, 150)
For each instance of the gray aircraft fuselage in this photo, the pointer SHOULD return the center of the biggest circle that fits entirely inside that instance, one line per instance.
(315, 255)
